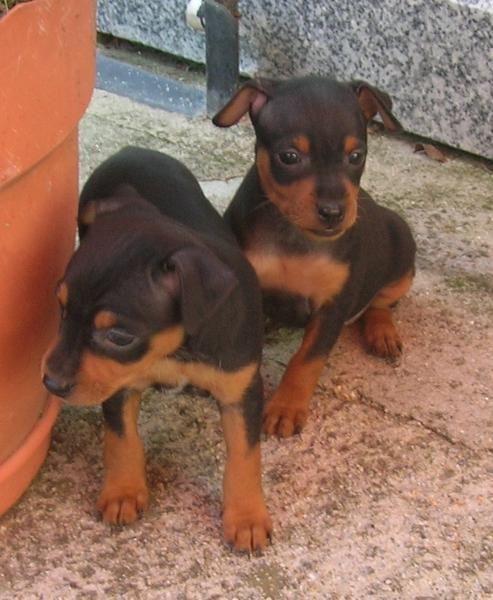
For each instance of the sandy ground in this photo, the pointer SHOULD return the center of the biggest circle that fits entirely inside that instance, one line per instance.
(388, 491)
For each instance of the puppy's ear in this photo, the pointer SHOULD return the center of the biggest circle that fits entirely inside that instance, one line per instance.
(124, 195)
(205, 284)
(374, 101)
(251, 97)
(93, 208)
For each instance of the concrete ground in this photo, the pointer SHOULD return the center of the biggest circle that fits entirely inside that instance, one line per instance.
(388, 492)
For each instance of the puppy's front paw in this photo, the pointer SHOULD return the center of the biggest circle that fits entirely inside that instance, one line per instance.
(247, 530)
(284, 418)
(123, 504)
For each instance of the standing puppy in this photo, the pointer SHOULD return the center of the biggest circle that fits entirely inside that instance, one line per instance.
(159, 292)
(325, 253)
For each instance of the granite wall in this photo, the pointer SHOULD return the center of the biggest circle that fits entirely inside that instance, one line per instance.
(435, 57)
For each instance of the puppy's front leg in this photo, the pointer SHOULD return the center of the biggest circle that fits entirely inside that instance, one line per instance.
(247, 524)
(124, 494)
(287, 410)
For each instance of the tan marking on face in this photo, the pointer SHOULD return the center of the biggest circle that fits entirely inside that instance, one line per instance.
(296, 201)
(62, 293)
(351, 204)
(317, 277)
(100, 377)
(351, 144)
(302, 143)
(105, 319)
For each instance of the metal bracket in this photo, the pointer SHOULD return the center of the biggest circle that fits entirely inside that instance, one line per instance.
(222, 54)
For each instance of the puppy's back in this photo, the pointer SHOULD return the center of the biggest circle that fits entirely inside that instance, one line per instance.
(161, 180)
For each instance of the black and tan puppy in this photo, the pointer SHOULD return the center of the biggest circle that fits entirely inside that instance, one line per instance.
(159, 292)
(324, 251)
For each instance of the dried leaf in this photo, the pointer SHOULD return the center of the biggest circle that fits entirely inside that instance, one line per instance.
(431, 152)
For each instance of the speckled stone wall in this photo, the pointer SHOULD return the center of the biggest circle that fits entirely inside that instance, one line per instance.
(435, 57)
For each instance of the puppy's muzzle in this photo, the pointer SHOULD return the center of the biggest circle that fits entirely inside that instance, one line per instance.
(331, 213)
(58, 388)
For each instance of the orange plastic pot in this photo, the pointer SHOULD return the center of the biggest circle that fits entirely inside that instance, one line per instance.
(47, 71)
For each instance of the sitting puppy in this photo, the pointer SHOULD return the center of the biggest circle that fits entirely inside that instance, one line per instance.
(325, 253)
(159, 292)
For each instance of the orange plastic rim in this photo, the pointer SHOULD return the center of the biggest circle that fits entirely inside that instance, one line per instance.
(18, 470)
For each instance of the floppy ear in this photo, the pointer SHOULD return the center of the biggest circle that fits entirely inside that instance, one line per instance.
(93, 208)
(124, 195)
(251, 97)
(375, 101)
(90, 210)
(205, 284)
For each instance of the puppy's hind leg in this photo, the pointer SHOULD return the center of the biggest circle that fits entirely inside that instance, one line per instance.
(380, 333)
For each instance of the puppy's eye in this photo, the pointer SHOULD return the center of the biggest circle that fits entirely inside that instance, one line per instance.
(113, 340)
(356, 157)
(167, 267)
(118, 337)
(289, 157)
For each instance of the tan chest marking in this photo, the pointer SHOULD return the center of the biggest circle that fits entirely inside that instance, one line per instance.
(319, 278)
(100, 377)
(228, 388)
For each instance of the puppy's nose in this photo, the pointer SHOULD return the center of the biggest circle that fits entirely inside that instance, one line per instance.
(58, 388)
(331, 213)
